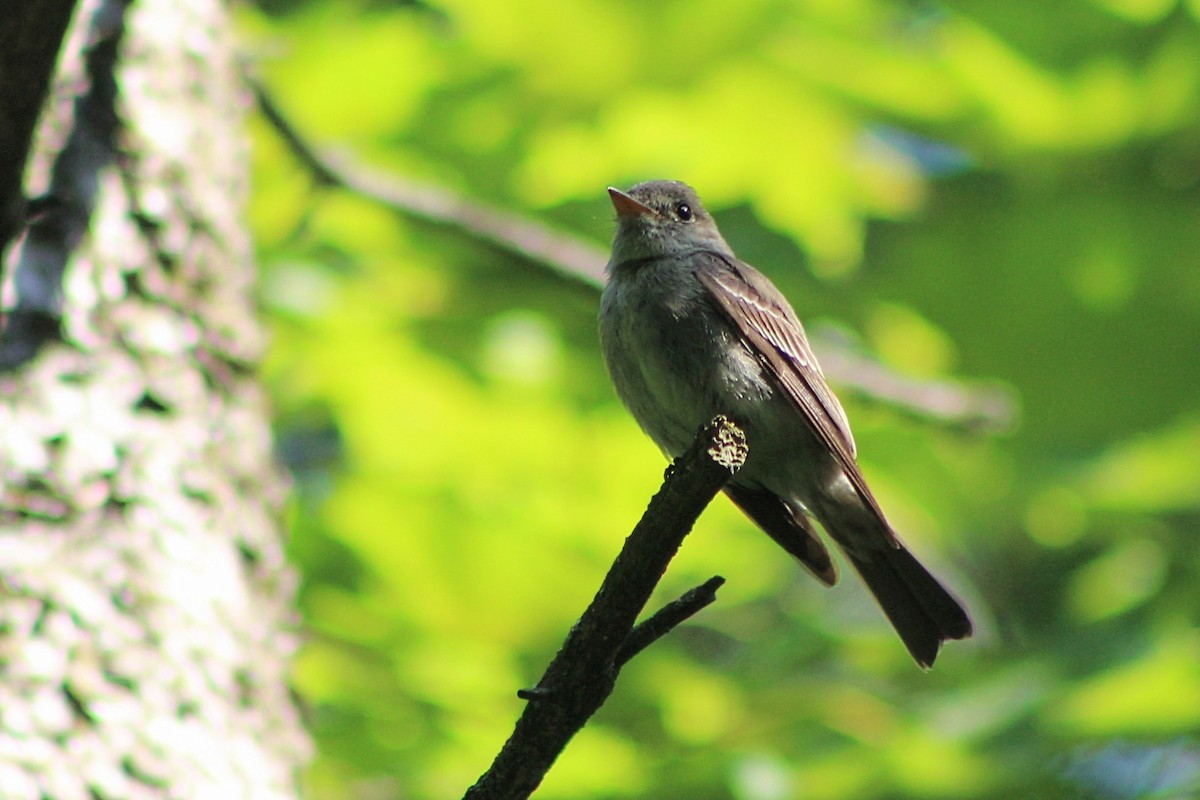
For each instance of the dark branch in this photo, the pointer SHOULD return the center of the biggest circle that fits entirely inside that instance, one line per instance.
(582, 675)
(30, 39)
(667, 618)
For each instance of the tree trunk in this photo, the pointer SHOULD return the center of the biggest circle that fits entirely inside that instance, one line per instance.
(145, 603)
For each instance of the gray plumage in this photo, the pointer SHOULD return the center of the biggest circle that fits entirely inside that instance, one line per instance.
(689, 332)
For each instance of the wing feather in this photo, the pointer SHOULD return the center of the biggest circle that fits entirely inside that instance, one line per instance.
(766, 322)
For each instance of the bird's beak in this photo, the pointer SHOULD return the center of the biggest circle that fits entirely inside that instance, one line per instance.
(626, 206)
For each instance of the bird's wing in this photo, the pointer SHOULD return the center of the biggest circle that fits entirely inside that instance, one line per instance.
(768, 325)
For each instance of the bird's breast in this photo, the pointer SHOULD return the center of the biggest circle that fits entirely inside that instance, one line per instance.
(674, 359)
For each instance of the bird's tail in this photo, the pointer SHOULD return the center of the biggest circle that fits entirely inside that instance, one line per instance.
(919, 607)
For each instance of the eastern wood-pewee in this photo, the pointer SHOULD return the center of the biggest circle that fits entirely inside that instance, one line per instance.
(690, 332)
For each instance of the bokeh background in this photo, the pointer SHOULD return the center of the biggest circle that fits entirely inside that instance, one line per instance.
(1005, 196)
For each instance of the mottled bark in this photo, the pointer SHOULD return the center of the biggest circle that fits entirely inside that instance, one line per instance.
(145, 603)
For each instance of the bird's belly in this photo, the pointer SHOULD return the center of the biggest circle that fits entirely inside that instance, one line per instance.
(684, 375)
(785, 454)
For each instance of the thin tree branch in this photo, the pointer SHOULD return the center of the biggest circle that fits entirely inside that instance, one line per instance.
(567, 255)
(582, 675)
(653, 628)
(667, 618)
(972, 406)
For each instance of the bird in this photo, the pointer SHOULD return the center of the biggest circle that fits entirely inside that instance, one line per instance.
(689, 332)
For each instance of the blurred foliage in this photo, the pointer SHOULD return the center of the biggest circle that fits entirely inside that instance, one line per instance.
(982, 190)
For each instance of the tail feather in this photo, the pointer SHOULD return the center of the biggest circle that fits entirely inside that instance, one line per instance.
(921, 610)
(919, 607)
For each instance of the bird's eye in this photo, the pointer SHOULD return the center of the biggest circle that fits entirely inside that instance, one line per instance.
(684, 212)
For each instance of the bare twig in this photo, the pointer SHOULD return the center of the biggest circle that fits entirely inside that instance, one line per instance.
(582, 675)
(973, 406)
(566, 254)
(667, 618)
